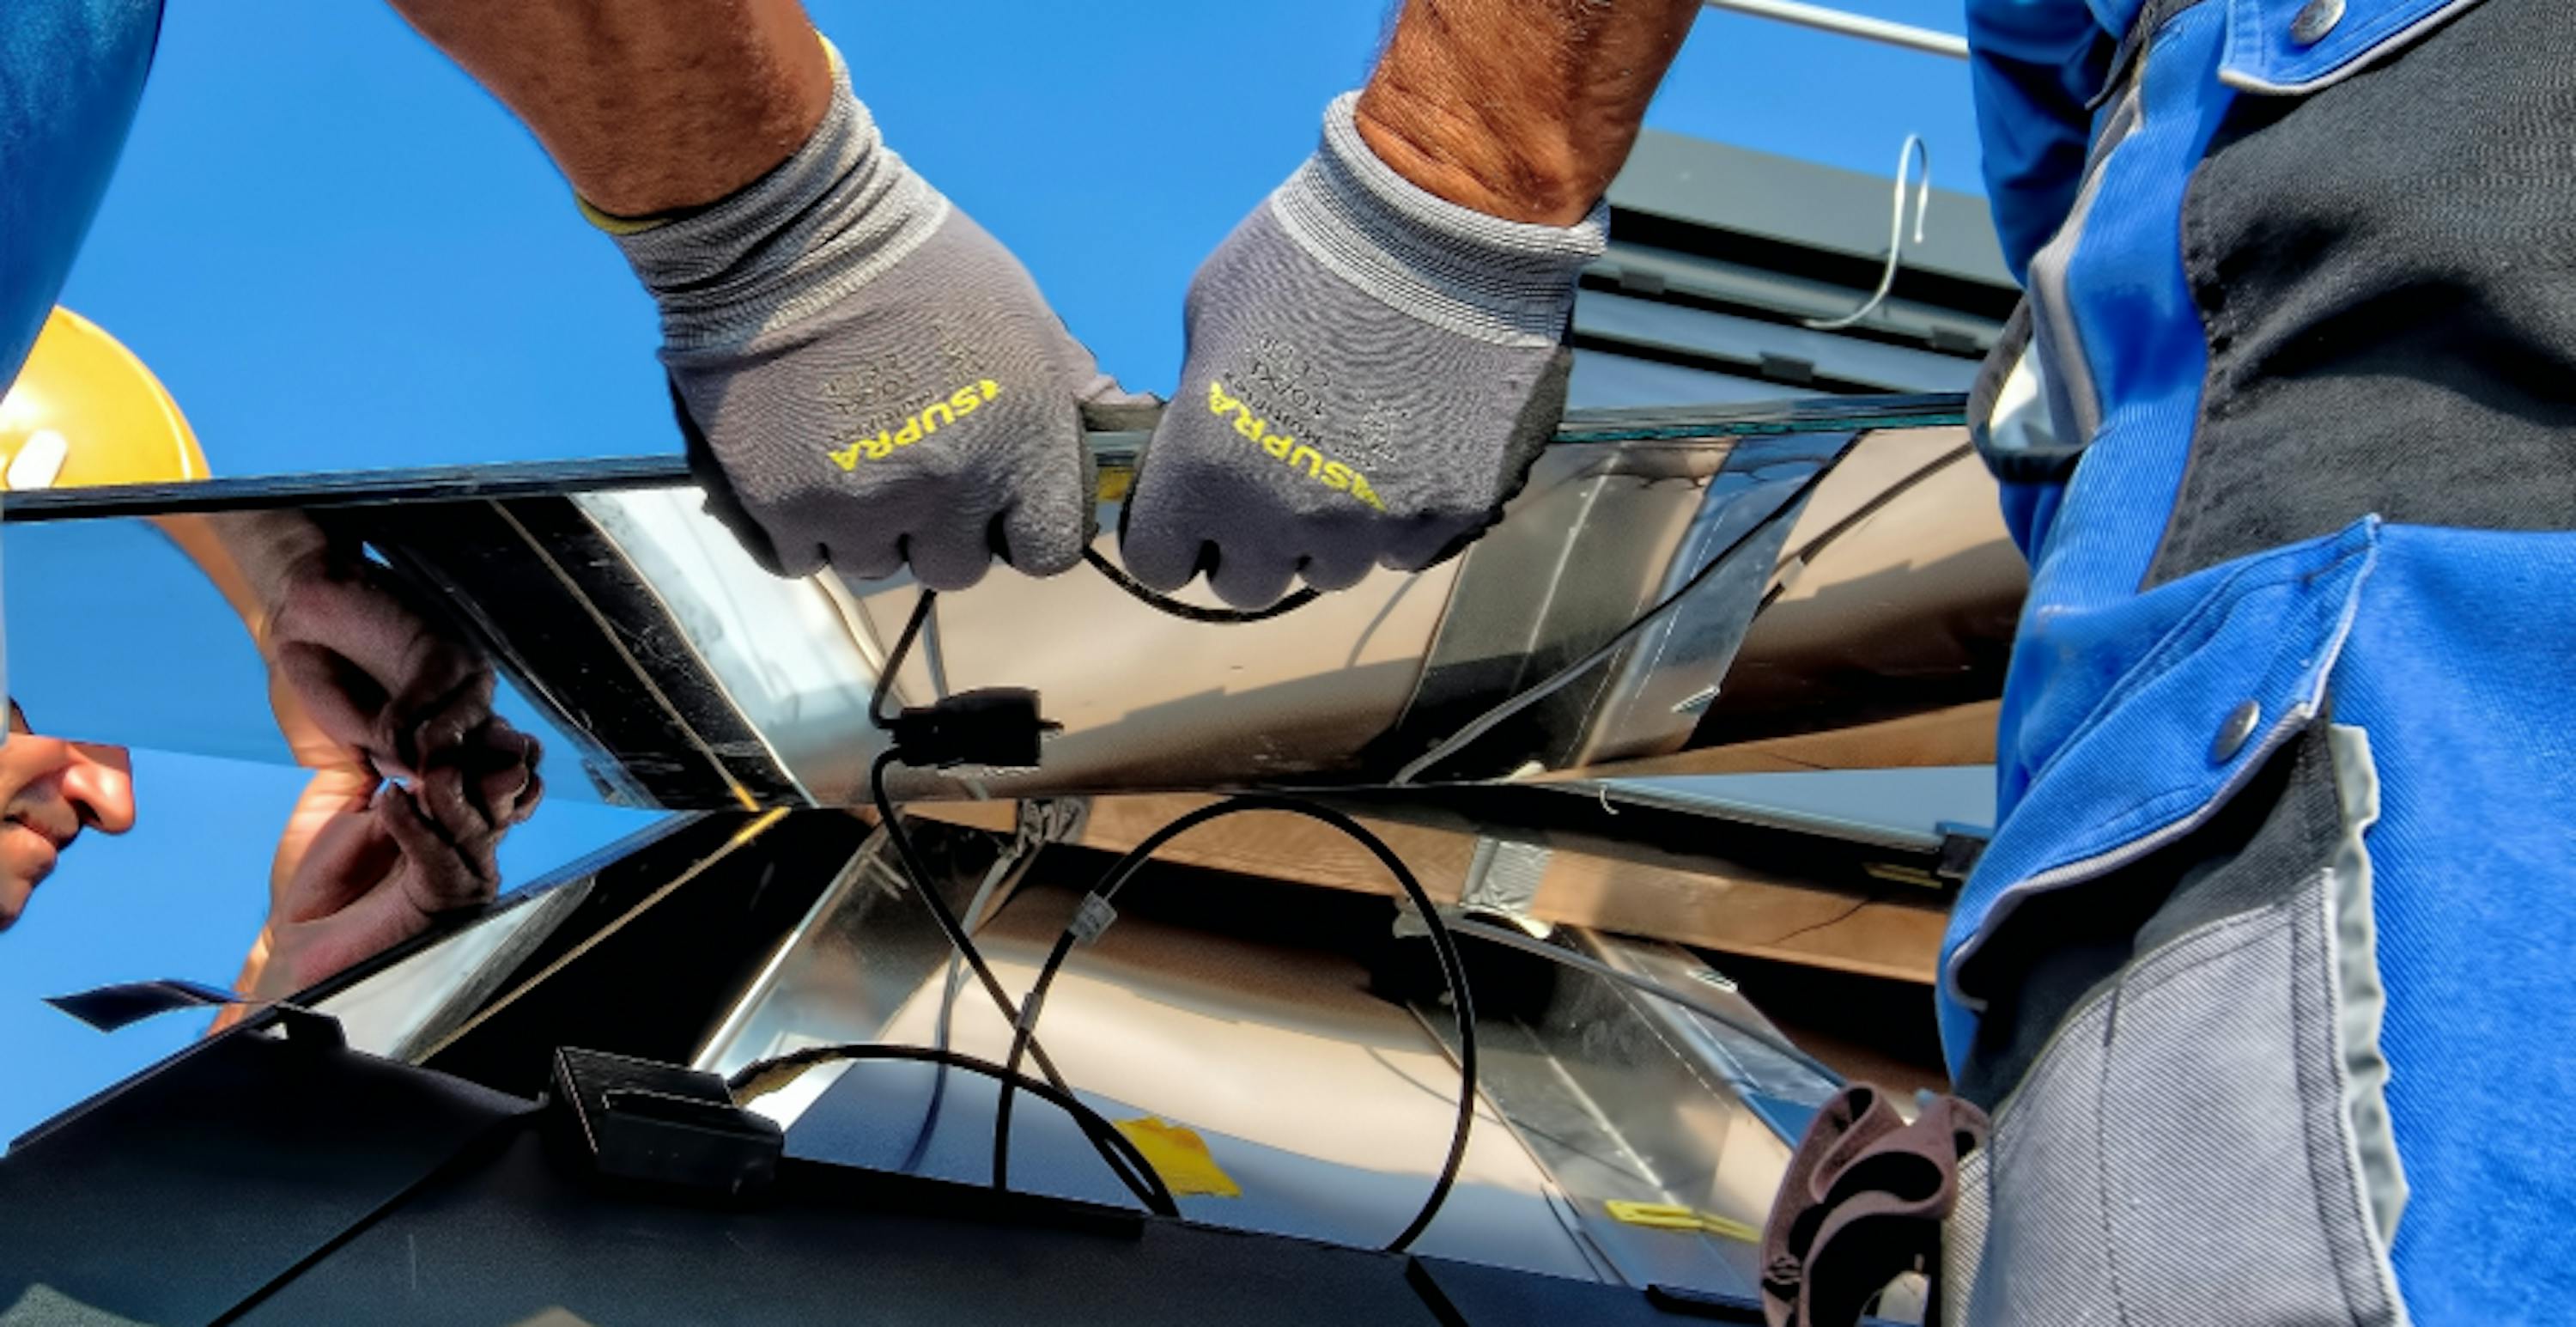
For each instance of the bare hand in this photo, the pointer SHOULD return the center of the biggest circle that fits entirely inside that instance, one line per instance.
(372, 867)
(371, 668)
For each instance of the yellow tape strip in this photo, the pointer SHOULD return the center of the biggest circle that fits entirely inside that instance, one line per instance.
(1181, 1157)
(1674, 1216)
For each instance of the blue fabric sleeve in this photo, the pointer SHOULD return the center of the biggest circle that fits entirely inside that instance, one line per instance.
(2033, 66)
(71, 72)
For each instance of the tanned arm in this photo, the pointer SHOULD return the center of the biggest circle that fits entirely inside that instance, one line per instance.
(647, 106)
(1520, 109)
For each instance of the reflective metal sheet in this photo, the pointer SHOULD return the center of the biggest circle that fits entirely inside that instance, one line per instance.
(1624, 1097)
(645, 647)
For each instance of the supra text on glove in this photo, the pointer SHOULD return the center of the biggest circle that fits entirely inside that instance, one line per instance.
(927, 421)
(1330, 473)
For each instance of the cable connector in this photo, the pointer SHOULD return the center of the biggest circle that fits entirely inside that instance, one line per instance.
(997, 726)
(1091, 918)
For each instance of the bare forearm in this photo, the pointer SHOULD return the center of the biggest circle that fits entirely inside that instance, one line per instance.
(250, 556)
(247, 555)
(1522, 109)
(645, 105)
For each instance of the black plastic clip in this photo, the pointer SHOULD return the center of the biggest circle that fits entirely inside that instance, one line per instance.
(661, 1126)
(1961, 846)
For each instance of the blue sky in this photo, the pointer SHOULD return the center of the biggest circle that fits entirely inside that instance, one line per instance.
(337, 253)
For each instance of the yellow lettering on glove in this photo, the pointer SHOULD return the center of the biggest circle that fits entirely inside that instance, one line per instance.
(923, 423)
(1303, 457)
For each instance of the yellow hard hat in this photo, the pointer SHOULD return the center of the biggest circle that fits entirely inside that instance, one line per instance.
(84, 411)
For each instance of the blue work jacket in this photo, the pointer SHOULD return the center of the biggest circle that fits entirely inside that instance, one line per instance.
(2295, 457)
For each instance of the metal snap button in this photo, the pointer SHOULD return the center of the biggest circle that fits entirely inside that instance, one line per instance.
(2234, 732)
(2315, 20)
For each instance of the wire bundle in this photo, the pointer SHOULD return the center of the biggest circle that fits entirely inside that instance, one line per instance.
(971, 726)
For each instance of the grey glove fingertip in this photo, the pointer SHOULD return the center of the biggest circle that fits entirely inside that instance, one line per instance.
(951, 555)
(1339, 564)
(727, 507)
(1045, 528)
(1036, 542)
(1161, 552)
(871, 559)
(1162, 561)
(1423, 542)
(1251, 576)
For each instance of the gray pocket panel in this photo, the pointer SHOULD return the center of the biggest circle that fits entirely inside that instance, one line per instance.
(1963, 1236)
(2186, 1149)
(2221, 1074)
(2045, 1249)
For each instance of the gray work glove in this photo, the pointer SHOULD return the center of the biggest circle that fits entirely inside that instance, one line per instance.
(1371, 370)
(864, 376)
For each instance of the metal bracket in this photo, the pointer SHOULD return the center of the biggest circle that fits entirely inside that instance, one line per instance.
(1503, 879)
(1961, 846)
(1044, 820)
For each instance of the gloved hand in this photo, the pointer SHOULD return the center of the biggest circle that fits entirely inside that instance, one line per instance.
(864, 376)
(1371, 370)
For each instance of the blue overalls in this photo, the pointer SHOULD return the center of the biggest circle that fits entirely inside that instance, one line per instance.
(2269, 976)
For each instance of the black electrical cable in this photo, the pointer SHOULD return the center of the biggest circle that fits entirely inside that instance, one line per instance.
(1005, 879)
(1150, 1190)
(1561, 678)
(1024, 1043)
(894, 662)
(1163, 603)
(913, 870)
(1859, 515)
(1452, 971)
(919, 875)
(911, 861)
(955, 930)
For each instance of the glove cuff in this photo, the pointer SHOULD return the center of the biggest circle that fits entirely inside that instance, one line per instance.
(1507, 282)
(821, 224)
